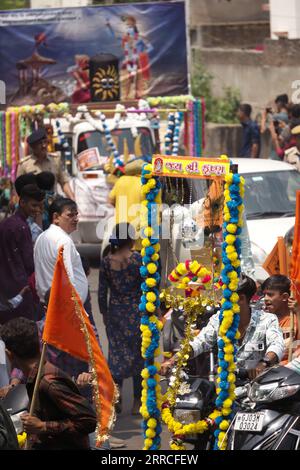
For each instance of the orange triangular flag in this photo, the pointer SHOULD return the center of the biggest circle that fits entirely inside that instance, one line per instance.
(295, 261)
(67, 327)
(271, 264)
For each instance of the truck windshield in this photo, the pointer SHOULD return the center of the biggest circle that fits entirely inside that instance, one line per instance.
(95, 138)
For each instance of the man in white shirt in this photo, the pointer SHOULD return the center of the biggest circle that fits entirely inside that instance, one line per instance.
(64, 216)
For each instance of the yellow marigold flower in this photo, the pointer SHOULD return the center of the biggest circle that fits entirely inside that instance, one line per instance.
(233, 256)
(231, 378)
(234, 298)
(152, 268)
(224, 425)
(156, 247)
(150, 433)
(181, 269)
(151, 282)
(146, 242)
(228, 348)
(231, 228)
(149, 231)
(155, 257)
(148, 443)
(151, 297)
(227, 403)
(230, 239)
(236, 263)
(145, 374)
(228, 357)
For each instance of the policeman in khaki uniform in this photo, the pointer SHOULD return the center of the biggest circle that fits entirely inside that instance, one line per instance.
(292, 155)
(40, 161)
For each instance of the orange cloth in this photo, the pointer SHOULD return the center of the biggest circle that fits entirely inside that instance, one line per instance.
(67, 327)
(295, 261)
(284, 324)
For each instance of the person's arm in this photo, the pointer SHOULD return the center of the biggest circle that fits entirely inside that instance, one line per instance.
(68, 191)
(21, 243)
(103, 289)
(275, 348)
(274, 340)
(263, 123)
(204, 341)
(255, 141)
(63, 179)
(81, 417)
(275, 139)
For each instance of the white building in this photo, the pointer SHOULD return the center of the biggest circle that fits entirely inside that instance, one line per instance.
(285, 19)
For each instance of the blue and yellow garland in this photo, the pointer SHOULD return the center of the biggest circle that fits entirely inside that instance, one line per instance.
(229, 313)
(150, 324)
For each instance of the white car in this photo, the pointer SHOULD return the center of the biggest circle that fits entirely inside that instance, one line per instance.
(270, 202)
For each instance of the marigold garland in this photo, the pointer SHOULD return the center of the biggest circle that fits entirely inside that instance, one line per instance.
(150, 325)
(229, 314)
(229, 321)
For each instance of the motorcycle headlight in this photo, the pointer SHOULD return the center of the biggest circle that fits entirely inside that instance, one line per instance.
(187, 416)
(271, 392)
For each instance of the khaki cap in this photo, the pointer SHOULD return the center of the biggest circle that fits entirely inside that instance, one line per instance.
(295, 130)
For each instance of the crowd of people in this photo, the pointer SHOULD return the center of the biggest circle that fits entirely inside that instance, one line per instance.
(30, 239)
(282, 121)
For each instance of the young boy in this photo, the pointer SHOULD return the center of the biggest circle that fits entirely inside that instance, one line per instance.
(277, 291)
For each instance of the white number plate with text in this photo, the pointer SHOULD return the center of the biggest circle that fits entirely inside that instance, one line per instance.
(250, 422)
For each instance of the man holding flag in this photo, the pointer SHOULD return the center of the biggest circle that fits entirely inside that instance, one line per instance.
(53, 394)
(62, 417)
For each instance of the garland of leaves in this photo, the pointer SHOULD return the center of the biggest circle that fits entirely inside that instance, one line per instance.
(150, 325)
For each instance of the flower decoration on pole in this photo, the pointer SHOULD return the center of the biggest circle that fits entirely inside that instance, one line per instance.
(178, 119)
(117, 160)
(229, 313)
(150, 324)
(170, 133)
(192, 309)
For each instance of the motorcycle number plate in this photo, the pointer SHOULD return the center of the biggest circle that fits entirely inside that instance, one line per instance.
(249, 422)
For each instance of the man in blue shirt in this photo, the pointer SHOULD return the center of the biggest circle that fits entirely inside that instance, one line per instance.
(251, 133)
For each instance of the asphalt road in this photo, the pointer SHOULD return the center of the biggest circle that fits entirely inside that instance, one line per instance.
(127, 427)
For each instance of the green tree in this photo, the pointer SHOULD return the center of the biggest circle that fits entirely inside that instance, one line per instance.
(219, 110)
(14, 4)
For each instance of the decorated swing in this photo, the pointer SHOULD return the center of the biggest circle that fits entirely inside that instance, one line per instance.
(195, 287)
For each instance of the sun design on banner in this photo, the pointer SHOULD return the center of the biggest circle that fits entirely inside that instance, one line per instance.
(106, 83)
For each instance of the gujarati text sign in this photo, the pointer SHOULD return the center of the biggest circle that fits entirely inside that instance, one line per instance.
(190, 167)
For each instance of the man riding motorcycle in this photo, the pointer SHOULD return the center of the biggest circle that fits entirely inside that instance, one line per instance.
(261, 343)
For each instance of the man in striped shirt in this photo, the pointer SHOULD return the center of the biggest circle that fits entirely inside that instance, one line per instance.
(261, 342)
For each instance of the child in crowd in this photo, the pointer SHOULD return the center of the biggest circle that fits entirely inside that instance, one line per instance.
(278, 300)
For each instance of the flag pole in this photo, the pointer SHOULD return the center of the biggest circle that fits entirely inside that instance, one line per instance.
(36, 386)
